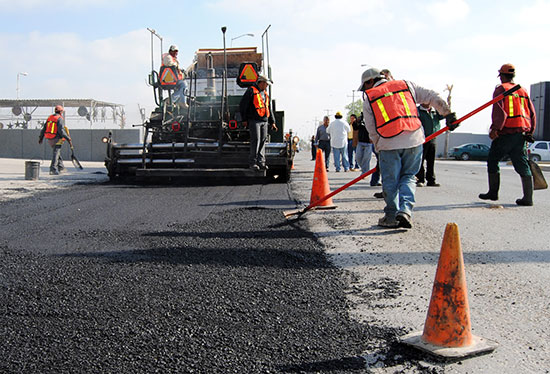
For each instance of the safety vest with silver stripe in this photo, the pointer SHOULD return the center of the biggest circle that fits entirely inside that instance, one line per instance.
(394, 108)
(516, 107)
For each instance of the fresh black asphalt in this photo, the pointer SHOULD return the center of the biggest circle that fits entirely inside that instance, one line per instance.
(174, 279)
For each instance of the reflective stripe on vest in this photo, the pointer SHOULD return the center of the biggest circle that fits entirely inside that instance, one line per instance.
(51, 126)
(261, 108)
(516, 107)
(392, 112)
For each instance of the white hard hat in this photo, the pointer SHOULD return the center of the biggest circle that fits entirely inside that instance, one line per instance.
(368, 75)
(173, 47)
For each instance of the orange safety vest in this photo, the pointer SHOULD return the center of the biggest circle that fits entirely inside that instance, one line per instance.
(261, 107)
(51, 126)
(394, 108)
(516, 107)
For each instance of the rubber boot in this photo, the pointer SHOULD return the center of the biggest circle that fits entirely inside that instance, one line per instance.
(527, 184)
(494, 185)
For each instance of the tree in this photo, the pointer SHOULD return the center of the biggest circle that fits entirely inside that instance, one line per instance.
(354, 108)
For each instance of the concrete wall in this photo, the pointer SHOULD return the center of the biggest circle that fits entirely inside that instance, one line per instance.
(20, 143)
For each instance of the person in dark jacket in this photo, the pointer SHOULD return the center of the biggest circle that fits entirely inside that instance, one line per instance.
(313, 148)
(54, 130)
(430, 122)
(256, 113)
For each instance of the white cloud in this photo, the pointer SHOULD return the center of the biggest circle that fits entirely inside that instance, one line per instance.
(536, 14)
(10, 5)
(448, 12)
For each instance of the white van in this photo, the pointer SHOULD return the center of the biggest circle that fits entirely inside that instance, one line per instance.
(539, 151)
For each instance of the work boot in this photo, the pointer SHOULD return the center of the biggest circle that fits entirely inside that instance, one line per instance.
(494, 185)
(388, 222)
(527, 184)
(403, 220)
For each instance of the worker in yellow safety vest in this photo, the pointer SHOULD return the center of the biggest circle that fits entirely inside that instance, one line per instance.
(55, 132)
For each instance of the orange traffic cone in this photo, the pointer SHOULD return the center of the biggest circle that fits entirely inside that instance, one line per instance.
(447, 331)
(320, 186)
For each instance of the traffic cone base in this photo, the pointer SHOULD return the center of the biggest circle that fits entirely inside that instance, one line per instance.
(447, 330)
(479, 345)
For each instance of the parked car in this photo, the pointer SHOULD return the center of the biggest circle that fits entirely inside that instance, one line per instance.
(539, 151)
(471, 151)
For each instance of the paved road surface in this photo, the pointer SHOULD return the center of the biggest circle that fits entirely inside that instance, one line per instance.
(506, 251)
(114, 238)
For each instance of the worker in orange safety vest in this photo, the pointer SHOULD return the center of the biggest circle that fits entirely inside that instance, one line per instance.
(55, 132)
(391, 118)
(256, 113)
(514, 121)
(171, 59)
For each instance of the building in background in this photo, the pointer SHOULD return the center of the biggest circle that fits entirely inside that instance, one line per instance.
(540, 96)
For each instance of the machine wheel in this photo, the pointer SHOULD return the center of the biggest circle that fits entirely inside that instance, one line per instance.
(465, 156)
(534, 158)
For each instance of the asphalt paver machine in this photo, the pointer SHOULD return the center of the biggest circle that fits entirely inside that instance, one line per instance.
(204, 136)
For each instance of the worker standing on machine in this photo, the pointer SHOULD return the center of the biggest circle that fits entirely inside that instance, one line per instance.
(256, 113)
(54, 131)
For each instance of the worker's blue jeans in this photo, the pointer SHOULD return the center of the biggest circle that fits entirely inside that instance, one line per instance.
(363, 154)
(341, 152)
(179, 91)
(398, 168)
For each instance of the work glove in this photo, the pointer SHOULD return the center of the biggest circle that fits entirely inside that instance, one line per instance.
(528, 138)
(449, 119)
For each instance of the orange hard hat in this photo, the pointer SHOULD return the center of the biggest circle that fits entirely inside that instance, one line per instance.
(59, 109)
(507, 69)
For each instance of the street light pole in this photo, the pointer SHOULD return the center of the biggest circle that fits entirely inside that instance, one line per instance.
(240, 36)
(17, 88)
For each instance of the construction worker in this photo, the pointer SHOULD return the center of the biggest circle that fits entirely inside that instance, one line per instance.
(362, 144)
(430, 122)
(313, 148)
(514, 121)
(256, 113)
(322, 138)
(55, 132)
(391, 118)
(338, 131)
(171, 59)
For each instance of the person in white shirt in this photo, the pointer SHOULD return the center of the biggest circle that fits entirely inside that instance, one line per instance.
(338, 131)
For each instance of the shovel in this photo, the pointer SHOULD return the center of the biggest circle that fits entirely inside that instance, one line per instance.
(300, 212)
(74, 160)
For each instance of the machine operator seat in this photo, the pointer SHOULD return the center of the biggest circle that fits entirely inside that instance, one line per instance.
(168, 77)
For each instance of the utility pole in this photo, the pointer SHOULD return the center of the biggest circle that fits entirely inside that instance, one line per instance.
(352, 106)
(446, 148)
(328, 112)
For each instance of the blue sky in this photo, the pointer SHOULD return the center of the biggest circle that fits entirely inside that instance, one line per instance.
(100, 49)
